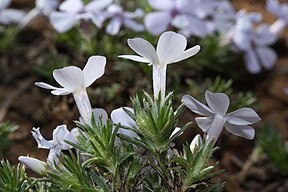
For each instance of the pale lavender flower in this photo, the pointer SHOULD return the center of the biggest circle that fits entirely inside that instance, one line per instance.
(253, 42)
(280, 11)
(35, 165)
(120, 17)
(218, 16)
(42, 7)
(73, 11)
(74, 80)
(8, 15)
(56, 145)
(182, 14)
(216, 119)
(170, 49)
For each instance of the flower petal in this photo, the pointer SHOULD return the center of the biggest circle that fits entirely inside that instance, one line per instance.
(131, 24)
(196, 106)
(45, 85)
(188, 53)
(8, 16)
(162, 4)
(267, 56)
(62, 22)
(157, 22)
(218, 102)
(71, 6)
(264, 35)
(204, 123)
(100, 115)
(135, 58)
(114, 26)
(170, 46)
(59, 134)
(120, 116)
(61, 91)
(251, 62)
(243, 116)
(42, 143)
(97, 5)
(93, 69)
(4, 4)
(71, 78)
(144, 49)
(244, 131)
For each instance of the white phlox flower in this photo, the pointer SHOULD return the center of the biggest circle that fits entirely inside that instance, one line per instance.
(74, 80)
(56, 145)
(72, 11)
(120, 17)
(8, 15)
(236, 122)
(34, 164)
(170, 49)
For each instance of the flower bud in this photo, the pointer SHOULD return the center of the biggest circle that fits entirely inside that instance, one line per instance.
(35, 165)
(196, 142)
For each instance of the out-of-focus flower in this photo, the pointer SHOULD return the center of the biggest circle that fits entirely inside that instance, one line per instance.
(72, 11)
(35, 165)
(120, 17)
(42, 7)
(74, 80)
(235, 122)
(170, 49)
(56, 145)
(281, 11)
(253, 42)
(8, 15)
(182, 14)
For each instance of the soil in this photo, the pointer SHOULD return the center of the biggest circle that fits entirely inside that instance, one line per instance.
(29, 106)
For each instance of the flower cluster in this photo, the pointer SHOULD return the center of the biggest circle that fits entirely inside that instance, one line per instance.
(139, 138)
(193, 18)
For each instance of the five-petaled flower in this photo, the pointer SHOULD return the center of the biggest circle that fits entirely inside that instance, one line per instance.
(170, 49)
(56, 145)
(74, 80)
(236, 122)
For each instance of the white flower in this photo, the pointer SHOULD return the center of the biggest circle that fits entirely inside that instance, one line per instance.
(8, 15)
(72, 11)
(235, 122)
(55, 145)
(35, 165)
(170, 49)
(74, 80)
